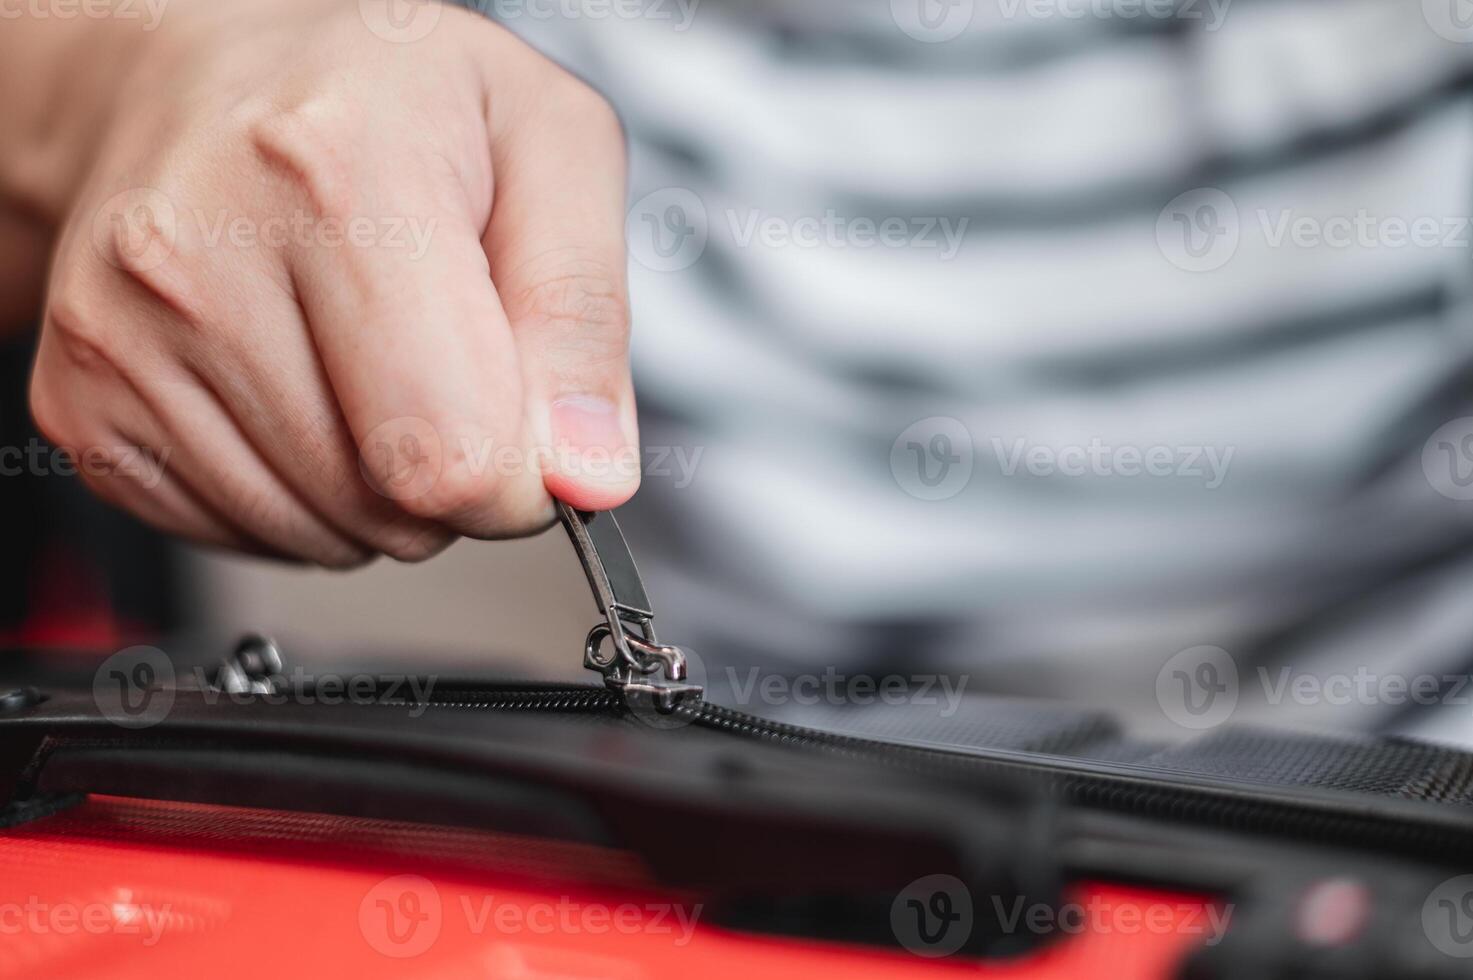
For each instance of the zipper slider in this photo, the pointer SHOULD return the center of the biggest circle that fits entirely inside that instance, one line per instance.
(638, 665)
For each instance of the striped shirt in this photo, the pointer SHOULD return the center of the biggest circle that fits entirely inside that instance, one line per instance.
(1049, 338)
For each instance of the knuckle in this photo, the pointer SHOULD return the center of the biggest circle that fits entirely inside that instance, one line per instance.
(411, 549)
(272, 516)
(256, 510)
(150, 251)
(136, 230)
(192, 304)
(106, 489)
(80, 332)
(49, 413)
(582, 299)
(107, 469)
(306, 144)
(459, 494)
(466, 479)
(345, 559)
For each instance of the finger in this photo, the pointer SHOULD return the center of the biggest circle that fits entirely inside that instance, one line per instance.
(557, 252)
(223, 316)
(163, 502)
(189, 432)
(136, 471)
(214, 457)
(414, 340)
(132, 475)
(274, 386)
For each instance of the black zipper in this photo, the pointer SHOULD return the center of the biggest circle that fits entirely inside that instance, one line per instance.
(1356, 820)
(571, 698)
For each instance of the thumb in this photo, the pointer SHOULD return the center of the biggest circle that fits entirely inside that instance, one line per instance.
(556, 248)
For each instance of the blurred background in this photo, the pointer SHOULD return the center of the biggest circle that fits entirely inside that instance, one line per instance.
(1045, 343)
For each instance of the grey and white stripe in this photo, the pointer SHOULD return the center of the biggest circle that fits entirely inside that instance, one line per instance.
(1053, 148)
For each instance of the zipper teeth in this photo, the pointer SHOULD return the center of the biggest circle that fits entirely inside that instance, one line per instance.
(741, 723)
(1105, 791)
(911, 757)
(592, 699)
(1102, 790)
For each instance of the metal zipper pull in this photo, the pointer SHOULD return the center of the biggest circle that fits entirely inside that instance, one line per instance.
(638, 665)
(254, 668)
